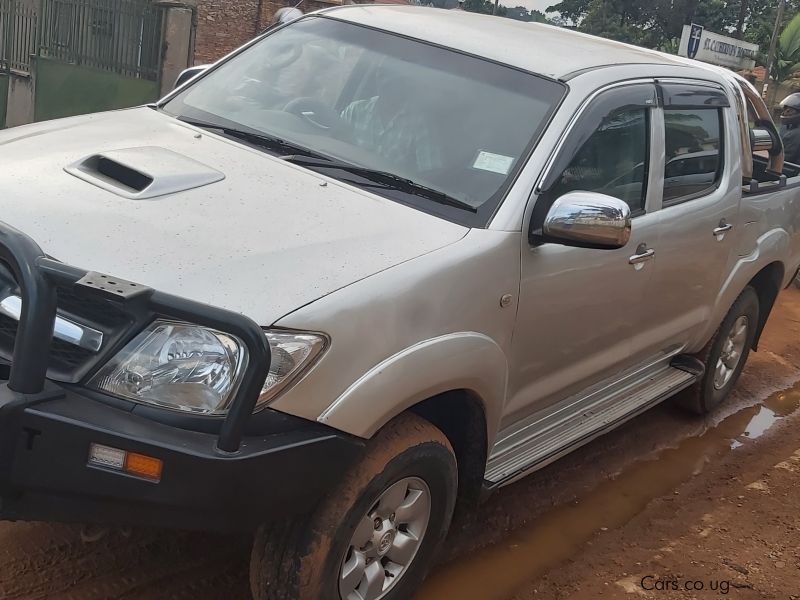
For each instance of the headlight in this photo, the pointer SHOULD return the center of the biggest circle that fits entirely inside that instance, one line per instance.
(176, 365)
(196, 369)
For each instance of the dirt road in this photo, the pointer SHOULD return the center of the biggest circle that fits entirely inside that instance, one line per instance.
(666, 496)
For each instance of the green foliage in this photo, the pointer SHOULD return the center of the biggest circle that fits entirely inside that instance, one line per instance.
(539, 17)
(761, 20)
(484, 6)
(520, 13)
(658, 23)
(652, 23)
(670, 46)
(787, 51)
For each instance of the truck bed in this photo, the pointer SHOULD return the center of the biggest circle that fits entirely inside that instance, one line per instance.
(763, 182)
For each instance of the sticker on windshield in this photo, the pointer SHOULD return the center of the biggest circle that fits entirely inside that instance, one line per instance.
(496, 163)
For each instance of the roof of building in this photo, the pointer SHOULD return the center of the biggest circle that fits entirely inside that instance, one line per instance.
(544, 49)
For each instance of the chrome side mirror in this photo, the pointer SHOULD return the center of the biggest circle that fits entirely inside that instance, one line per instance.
(761, 139)
(588, 220)
(190, 73)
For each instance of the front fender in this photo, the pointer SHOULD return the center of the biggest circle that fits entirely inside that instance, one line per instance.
(464, 360)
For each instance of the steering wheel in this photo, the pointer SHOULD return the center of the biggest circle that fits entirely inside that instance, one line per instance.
(314, 112)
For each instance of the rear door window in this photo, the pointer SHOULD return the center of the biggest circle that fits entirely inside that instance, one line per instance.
(693, 145)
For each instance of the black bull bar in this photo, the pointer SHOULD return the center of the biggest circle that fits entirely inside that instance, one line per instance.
(39, 277)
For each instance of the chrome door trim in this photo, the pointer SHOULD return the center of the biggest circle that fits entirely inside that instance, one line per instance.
(64, 329)
(722, 229)
(642, 255)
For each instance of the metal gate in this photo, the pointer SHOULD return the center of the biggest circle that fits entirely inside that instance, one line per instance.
(119, 36)
(89, 55)
(17, 35)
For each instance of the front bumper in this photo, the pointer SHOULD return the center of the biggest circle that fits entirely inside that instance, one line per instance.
(225, 474)
(45, 475)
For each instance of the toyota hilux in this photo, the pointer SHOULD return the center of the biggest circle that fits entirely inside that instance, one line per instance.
(371, 266)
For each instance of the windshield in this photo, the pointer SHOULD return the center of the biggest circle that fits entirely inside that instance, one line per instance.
(437, 124)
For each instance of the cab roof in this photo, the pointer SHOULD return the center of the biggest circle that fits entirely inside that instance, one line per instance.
(555, 52)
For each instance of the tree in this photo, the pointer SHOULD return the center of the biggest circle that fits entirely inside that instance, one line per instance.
(761, 20)
(657, 23)
(484, 6)
(787, 52)
(571, 11)
(520, 13)
(538, 16)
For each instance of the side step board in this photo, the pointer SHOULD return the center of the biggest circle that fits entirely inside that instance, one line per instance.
(596, 419)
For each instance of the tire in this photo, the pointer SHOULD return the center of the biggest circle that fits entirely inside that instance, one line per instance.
(712, 389)
(303, 559)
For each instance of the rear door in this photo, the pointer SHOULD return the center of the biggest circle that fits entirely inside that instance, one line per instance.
(699, 217)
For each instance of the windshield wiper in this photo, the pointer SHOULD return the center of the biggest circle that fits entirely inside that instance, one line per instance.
(308, 158)
(268, 142)
(384, 179)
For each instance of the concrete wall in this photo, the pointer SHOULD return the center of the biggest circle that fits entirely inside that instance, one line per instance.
(63, 90)
(3, 98)
(20, 100)
(178, 38)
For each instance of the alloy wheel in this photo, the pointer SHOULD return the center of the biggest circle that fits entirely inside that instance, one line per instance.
(386, 541)
(731, 353)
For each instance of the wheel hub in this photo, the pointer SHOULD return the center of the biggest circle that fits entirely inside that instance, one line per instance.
(731, 353)
(386, 541)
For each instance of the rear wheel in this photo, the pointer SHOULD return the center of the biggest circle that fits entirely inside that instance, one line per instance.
(725, 355)
(374, 536)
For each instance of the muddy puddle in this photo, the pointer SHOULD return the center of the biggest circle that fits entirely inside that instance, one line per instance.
(498, 571)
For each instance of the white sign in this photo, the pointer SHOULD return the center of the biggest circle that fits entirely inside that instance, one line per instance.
(496, 163)
(717, 49)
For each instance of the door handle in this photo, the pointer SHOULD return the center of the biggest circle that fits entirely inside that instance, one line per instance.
(722, 228)
(643, 254)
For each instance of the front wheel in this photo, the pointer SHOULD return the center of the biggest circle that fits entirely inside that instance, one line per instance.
(725, 355)
(373, 537)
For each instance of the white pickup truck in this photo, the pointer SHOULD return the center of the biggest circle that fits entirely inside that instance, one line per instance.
(375, 263)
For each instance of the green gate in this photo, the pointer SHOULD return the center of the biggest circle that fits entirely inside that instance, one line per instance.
(17, 35)
(85, 55)
(17, 45)
(97, 55)
(116, 36)
(63, 89)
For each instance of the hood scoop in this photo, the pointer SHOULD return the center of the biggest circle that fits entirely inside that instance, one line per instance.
(143, 173)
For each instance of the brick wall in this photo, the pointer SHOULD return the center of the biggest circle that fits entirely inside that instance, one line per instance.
(224, 25)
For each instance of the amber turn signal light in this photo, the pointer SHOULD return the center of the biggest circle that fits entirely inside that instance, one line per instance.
(132, 463)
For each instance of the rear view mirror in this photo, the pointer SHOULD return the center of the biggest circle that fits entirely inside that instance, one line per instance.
(764, 137)
(190, 73)
(588, 220)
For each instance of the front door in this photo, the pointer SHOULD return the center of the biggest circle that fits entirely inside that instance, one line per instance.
(580, 307)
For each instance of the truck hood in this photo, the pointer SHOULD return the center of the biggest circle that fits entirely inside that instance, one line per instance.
(231, 226)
